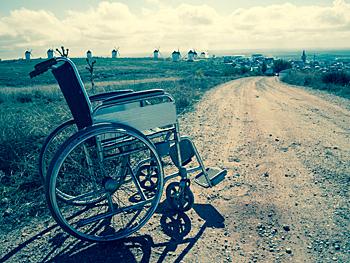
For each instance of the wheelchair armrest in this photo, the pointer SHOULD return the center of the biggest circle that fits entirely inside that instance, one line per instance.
(108, 95)
(138, 95)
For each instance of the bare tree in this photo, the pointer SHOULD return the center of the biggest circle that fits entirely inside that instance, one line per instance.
(63, 52)
(90, 68)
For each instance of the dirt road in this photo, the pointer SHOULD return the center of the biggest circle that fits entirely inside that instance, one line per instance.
(285, 198)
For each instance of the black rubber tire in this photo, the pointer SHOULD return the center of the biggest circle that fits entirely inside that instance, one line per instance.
(179, 201)
(58, 213)
(43, 167)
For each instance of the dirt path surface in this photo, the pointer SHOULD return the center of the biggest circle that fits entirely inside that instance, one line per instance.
(285, 198)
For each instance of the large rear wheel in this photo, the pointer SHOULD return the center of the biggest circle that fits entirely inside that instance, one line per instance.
(97, 168)
(52, 143)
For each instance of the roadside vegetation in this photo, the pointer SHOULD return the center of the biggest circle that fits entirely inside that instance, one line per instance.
(337, 83)
(31, 108)
(280, 64)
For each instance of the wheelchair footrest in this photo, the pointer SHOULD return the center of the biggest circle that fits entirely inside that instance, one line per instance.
(215, 176)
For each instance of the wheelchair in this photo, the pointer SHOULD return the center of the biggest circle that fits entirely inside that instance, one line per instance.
(104, 170)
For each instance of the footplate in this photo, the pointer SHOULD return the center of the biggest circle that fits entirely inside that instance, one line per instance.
(215, 176)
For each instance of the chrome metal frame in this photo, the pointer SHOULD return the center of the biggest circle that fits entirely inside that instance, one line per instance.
(175, 130)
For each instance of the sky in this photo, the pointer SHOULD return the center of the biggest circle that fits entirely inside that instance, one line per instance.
(140, 26)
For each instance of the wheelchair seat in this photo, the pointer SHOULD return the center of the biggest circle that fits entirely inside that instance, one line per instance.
(79, 102)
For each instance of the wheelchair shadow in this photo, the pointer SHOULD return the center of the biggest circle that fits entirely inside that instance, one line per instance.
(177, 226)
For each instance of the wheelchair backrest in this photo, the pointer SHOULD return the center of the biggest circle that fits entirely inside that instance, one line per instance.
(75, 94)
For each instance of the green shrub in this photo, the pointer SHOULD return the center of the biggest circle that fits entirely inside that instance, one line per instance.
(280, 64)
(334, 82)
(340, 78)
(24, 98)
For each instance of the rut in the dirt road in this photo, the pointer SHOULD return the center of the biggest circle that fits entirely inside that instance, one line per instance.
(285, 198)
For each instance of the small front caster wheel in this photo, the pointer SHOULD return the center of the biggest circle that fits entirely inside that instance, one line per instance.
(178, 199)
(148, 176)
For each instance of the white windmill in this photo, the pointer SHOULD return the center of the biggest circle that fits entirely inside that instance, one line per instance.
(156, 53)
(195, 54)
(115, 52)
(190, 56)
(28, 54)
(176, 55)
(89, 54)
(50, 53)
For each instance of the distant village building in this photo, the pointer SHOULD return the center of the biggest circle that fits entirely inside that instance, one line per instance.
(255, 69)
(269, 71)
(27, 54)
(204, 55)
(50, 53)
(176, 55)
(156, 54)
(269, 60)
(89, 54)
(256, 57)
(228, 60)
(303, 56)
(190, 56)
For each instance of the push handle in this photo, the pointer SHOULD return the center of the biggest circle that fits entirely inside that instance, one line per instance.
(42, 67)
(45, 64)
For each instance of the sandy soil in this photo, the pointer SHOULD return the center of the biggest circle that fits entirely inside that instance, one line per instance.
(285, 198)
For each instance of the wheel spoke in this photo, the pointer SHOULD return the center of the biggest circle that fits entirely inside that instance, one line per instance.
(106, 181)
(83, 222)
(84, 196)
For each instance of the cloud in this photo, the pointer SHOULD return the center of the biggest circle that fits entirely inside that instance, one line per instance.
(196, 15)
(153, 2)
(185, 26)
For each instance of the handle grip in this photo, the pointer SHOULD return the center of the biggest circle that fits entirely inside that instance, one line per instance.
(42, 67)
(37, 72)
(46, 64)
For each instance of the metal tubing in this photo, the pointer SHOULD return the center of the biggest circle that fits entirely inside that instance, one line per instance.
(200, 161)
(98, 217)
(136, 182)
(173, 175)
